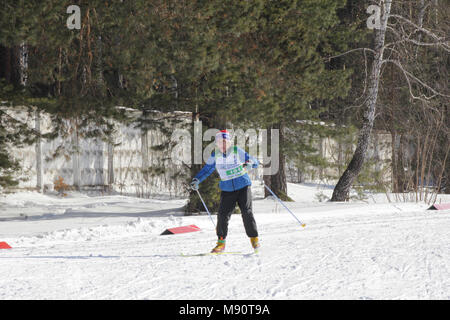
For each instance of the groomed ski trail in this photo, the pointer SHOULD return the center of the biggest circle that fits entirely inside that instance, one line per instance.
(359, 254)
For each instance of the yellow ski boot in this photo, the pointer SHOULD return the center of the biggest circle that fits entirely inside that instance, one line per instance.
(220, 247)
(255, 243)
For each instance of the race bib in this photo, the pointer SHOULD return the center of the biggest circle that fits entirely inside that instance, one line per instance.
(233, 172)
(229, 167)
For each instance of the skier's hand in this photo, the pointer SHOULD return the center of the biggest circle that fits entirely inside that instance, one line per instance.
(194, 184)
(248, 165)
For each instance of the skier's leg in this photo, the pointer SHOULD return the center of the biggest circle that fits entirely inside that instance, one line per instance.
(245, 204)
(226, 207)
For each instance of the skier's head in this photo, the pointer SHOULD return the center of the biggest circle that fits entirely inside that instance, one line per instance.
(223, 140)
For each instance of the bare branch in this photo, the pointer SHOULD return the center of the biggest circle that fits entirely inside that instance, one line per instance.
(410, 76)
(443, 44)
(349, 51)
(418, 28)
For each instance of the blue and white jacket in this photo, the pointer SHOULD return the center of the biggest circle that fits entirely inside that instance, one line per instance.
(229, 165)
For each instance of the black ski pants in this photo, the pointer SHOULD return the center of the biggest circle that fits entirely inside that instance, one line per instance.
(228, 200)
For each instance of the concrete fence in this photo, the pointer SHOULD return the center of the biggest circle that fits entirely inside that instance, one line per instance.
(120, 163)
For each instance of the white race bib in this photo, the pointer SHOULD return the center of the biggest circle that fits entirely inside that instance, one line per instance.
(229, 167)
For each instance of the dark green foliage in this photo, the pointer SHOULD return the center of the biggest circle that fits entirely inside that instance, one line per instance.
(210, 192)
(259, 61)
(248, 64)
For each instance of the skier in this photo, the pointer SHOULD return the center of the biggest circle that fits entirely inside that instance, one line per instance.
(232, 164)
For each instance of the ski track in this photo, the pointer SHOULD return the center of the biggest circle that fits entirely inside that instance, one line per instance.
(359, 255)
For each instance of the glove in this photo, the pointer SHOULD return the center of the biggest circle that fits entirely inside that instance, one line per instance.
(194, 184)
(248, 165)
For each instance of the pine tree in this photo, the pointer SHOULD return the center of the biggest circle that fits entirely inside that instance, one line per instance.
(288, 76)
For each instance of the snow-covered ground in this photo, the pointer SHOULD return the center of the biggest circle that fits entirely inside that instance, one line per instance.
(110, 247)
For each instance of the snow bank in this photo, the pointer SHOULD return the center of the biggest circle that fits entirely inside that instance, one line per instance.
(138, 227)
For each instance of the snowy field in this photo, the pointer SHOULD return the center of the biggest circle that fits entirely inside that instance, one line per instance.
(110, 247)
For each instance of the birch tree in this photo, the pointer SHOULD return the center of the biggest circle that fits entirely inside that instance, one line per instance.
(401, 30)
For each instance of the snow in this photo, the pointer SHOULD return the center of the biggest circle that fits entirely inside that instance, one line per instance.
(110, 247)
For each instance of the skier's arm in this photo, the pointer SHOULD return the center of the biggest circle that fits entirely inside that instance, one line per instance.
(246, 158)
(206, 171)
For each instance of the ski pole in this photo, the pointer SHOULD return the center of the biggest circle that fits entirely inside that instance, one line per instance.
(279, 200)
(206, 207)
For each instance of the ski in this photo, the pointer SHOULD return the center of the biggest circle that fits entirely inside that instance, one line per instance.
(209, 254)
(256, 252)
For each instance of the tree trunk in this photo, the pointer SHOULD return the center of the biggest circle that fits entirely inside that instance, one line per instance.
(394, 161)
(5, 64)
(277, 181)
(267, 178)
(342, 190)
